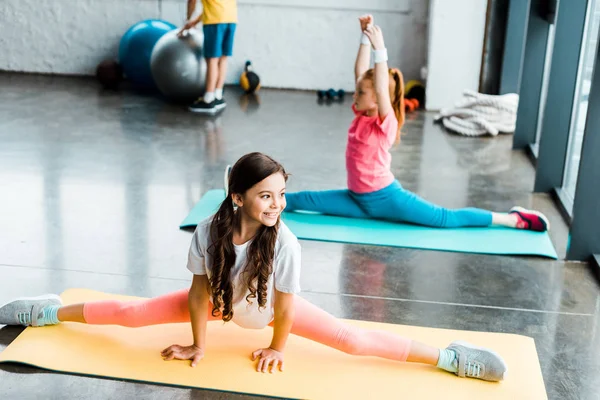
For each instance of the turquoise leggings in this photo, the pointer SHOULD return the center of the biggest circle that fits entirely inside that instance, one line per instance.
(392, 203)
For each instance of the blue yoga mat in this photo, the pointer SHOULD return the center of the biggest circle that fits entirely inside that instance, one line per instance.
(329, 228)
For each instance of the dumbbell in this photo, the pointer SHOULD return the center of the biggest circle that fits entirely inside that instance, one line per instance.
(411, 105)
(331, 94)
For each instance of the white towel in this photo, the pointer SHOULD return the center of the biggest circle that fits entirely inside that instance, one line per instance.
(478, 114)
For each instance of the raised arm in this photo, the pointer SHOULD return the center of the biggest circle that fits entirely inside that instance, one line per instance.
(363, 58)
(382, 74)
(191, 7)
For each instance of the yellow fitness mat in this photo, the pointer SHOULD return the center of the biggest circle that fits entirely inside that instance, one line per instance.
(312, 371)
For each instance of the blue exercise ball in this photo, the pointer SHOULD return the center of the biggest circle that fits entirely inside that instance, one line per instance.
(136, 47)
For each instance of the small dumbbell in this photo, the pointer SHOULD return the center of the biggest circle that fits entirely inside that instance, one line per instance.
(331, 94)
(411, 105)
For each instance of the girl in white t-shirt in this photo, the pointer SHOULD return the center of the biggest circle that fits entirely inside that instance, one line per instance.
(246, 266)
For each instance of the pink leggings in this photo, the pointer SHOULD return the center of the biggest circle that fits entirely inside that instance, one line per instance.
(310, 322)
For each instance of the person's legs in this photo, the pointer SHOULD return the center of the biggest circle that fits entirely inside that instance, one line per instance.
(394, 203)
(213, 43)
(213, 51)
(315, 324)
(222, 67)
(331, 202)
(167, 309)
(420, 211)
(212, 76)
(460, 358)
(227, 51)
(49, 310)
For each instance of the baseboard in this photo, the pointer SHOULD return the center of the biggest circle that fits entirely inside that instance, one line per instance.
(595, 266)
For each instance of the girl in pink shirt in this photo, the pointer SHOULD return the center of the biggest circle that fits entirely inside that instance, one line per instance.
(373, 192)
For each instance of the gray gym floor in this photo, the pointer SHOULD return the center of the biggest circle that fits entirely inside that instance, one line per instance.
(94, 185)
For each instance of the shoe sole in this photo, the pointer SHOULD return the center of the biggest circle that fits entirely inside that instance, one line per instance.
(472, 346)
(537, 213)
(205, 111)
(213, 110)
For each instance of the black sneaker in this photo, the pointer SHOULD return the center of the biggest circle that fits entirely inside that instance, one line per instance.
(200, 106)
(220, 103)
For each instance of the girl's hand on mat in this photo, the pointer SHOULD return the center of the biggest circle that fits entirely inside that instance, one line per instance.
(365, 20)
(178, 352)
(375, 36)
(268, 357)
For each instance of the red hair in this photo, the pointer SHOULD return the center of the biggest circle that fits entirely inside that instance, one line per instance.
(396, 94)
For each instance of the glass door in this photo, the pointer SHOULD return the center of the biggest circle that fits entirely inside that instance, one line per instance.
(544, 91)
(580, 104)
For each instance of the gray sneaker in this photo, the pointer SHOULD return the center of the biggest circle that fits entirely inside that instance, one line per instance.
(478, 362)
(27, 311)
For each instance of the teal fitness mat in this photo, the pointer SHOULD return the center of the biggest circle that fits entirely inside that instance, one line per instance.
(328, 228)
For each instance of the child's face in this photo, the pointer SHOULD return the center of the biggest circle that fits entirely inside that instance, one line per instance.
(364, 96)
(264, 201)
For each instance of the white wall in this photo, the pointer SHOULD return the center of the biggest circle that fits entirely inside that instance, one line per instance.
(304, 44)
(65, 36)
(456, 33)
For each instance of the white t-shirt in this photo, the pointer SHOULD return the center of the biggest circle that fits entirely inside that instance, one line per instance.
(285, 276)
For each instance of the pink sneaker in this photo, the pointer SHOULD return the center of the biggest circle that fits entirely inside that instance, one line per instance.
(529, 219)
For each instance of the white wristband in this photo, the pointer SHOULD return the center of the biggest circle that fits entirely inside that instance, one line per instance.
(380, 55)
(365, 40)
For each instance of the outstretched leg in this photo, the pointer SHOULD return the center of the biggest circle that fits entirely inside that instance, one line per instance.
(461, 358)
(411, 208)
(48, 310)
(165, 309)
(394, 203)
(313, 323)
(331, 202)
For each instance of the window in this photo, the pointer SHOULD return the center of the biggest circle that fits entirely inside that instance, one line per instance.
(580, 104)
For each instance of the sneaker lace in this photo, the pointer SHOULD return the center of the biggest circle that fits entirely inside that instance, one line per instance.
(473, 370)
(24, 317)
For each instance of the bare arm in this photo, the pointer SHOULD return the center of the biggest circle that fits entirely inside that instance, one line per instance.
(198, 300)
(284, 318)
(363, 58)
(382, 74)
(191, 7)
(382, 89)
(272, 357)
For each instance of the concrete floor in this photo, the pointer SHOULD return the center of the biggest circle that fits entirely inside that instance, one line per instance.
(94, 185)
